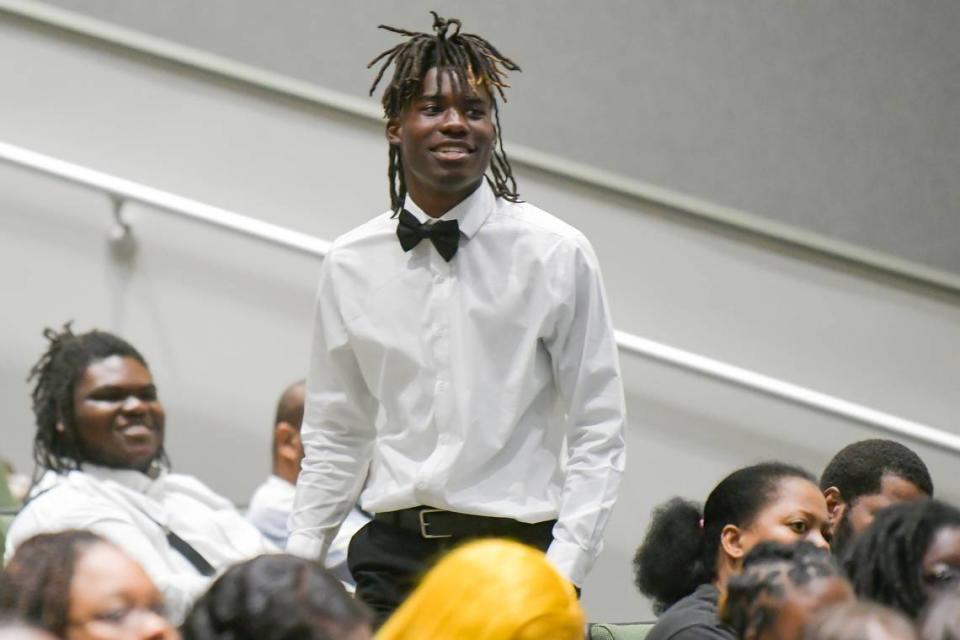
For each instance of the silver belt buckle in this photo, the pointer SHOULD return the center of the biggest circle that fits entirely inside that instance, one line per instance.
(424, 525)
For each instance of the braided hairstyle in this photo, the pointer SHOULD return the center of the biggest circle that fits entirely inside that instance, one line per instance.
(751, 604)
(679, 551)
(473, 61)
(57, 373)
(35, 585)
(885, 563)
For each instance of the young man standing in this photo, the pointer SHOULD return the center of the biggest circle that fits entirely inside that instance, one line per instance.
(461, 339)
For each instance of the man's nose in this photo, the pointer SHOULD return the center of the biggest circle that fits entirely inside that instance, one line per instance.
(453, 122)
(134, 404)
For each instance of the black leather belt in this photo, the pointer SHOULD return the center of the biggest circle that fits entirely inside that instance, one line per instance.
(433, 523)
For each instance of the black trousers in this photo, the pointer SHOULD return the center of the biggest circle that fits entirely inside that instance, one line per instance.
(387, 561)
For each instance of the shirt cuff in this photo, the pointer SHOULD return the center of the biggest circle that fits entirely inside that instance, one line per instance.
(571, 561)
(306, 546)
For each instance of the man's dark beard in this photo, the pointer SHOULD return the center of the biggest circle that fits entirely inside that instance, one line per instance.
(842, 535)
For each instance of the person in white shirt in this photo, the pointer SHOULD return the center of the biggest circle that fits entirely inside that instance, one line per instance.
(474, 375)
(99, 444)
(272, 501)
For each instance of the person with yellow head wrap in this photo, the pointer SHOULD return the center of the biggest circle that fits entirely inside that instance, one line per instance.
(491, 589)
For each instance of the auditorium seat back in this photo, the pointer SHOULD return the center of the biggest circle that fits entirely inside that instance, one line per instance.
(618, 631)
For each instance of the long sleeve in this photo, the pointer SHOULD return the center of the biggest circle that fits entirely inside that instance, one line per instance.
(338, 429)
(586, 367)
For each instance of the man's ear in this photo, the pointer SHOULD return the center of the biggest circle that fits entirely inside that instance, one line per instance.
(285, 438)
(59, 427)
(836, 506)
(731, 541)
(394, 129)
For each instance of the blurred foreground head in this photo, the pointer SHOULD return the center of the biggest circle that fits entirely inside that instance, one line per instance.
(277, 597)
(910, 554)
(860, 621)
(781, 587)
(490, 590)
(78, 586)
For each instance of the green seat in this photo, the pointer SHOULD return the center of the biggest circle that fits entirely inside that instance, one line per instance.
(8, 508)
(618, 631)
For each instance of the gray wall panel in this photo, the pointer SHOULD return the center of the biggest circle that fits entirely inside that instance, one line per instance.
(838, 117)
(225, 321)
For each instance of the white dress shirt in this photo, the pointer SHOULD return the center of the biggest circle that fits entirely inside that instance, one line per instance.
(457, 384)
(125, 506)
(269, 511)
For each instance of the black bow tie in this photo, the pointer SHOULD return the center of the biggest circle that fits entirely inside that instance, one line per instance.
(445, 234)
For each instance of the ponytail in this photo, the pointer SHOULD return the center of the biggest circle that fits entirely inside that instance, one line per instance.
(671, 562)
(679, 552)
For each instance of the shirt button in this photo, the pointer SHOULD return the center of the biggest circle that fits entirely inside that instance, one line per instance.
(421, 486)
(438, 278)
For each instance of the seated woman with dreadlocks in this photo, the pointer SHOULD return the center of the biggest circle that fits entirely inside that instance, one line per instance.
(908, 555)
(439, 366)
(99, 440)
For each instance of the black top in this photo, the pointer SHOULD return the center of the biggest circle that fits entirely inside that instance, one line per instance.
(692, 618)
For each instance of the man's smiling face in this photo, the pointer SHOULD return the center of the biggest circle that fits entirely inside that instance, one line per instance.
(446, 136)
(118, 419)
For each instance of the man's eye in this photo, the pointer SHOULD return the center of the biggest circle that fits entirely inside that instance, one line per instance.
(108, 396)
(430, 108)
(798, 527)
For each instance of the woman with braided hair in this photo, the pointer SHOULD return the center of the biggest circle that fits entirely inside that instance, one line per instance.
(909, 553)
(780, 588)
(448, 332)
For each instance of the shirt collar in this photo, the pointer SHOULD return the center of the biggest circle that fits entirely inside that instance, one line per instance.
(470, 214)
(129, 478)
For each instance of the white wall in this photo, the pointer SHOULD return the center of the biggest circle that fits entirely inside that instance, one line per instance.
(839, 117)
(224, 321)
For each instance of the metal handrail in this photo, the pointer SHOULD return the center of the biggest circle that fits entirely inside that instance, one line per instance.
(366, 110)
(128, 191)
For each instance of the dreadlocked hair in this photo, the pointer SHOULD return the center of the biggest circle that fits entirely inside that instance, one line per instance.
(885, 563)
(754, 597)
(473, 61)
(57, 373)
(35, 585)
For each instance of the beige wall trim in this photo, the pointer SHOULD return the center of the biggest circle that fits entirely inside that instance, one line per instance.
(370, 112)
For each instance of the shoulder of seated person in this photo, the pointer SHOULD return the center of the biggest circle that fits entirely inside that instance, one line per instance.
(698, 630)
(63, 507)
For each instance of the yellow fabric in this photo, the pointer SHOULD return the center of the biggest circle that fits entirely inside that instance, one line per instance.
(489, 590)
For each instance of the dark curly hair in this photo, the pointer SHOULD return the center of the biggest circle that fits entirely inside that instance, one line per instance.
(35, 585)
(770, 567)
(885, 563)
(275, 597)
(57, 373)
(858, 469)
(679, 551)
(473, 61)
